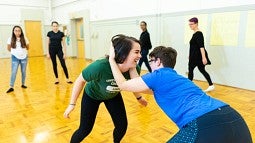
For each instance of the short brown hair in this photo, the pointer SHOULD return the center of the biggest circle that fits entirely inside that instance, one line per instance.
(194, 19)
(167, 55)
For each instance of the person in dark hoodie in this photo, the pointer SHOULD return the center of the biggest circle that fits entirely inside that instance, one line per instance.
(145, 45)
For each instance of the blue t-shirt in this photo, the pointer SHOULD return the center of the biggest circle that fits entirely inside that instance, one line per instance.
(179, 97)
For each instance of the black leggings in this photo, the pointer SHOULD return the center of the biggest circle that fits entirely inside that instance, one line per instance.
(53, 57)
(89, 108)
(201, 68)
(223, 125)
(144, 59)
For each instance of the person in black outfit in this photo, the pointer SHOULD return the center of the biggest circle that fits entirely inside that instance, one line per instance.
(145, 45)
(55, 42)
(197, 54)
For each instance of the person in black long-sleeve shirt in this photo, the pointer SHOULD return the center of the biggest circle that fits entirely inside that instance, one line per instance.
(197, 54)
(145, 45)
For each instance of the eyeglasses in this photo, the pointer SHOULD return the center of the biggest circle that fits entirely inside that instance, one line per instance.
(192, 24)
(151, 60)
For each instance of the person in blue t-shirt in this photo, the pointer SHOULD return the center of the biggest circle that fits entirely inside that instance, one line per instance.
(199, 117)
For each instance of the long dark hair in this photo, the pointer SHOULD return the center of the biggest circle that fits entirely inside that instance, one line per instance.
(122, 46)
(14, 38)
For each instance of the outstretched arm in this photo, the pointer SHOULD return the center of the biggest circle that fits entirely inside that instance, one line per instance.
(132, 85)
(133, 74)
(77, 88)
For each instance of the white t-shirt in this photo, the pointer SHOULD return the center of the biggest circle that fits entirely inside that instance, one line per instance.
(18, 52)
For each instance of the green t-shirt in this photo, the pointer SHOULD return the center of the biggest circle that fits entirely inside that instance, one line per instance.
(100, 81)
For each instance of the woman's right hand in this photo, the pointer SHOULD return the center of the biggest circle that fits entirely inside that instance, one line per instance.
(111, 52)
(69, 109)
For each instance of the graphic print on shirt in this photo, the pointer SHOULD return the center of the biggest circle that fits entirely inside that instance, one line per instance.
(112, 86)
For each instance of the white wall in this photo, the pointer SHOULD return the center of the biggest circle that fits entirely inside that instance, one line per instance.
(10, 10)
(14, 12)
(232, 66)
(103, 31)
(111, 9)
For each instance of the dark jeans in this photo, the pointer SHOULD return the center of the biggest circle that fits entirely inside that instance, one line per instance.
(223, 125)
(89, 108)
(144, 59)
(201, 68)
(53, 57)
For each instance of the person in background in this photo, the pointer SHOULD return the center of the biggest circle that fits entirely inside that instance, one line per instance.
(101, 87)
(18, 45)
(200, 118)
(197, 54)
(56, 44)
(145, 45)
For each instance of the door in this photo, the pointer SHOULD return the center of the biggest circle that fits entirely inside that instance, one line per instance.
(34, 35)
(80, 38)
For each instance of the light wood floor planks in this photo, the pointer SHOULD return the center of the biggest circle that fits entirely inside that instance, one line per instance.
(35, 114)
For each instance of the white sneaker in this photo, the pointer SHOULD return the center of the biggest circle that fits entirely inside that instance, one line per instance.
(210, 88)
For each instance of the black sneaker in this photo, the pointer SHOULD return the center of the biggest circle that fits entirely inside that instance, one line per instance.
(23, 86)
(10, 90)
(70, 82)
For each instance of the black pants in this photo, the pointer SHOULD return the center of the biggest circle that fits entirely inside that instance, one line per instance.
(223, 125)
(53, 57)
(89, 108)
(144, 59)
(201, 68)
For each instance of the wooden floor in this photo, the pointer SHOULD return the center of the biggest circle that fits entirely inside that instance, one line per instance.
(35, 114)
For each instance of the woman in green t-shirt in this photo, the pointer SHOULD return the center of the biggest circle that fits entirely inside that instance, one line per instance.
(101, 87)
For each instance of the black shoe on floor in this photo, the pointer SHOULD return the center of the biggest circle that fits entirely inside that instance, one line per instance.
(10, 90)
(23, 86)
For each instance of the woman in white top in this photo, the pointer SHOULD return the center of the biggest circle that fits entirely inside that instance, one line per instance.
(18, 46)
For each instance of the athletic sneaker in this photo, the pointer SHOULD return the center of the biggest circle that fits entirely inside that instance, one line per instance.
(210, 88)
(10, 90)
(23, 86)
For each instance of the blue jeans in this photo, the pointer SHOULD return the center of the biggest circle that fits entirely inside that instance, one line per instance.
(15, 64)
